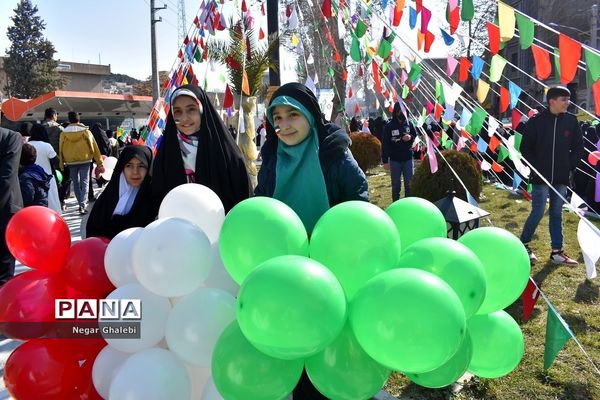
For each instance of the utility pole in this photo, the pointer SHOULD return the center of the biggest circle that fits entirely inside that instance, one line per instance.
(181, 22)
(273, 28)
(155, 84)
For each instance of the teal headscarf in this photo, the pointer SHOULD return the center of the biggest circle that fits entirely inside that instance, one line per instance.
(299, 180)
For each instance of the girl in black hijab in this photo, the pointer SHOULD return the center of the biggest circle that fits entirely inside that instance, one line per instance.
(196, 148)
(126, 202)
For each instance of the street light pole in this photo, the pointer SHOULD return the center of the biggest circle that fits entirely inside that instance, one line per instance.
(153, 21)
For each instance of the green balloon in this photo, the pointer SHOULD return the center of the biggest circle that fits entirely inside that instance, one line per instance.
(454, 263)
(408, 320)
(256, 230)
(448, 373)
(505, 262)
(240, 371)
(59, 176)
(291, 307)
(356, 240)
(344, 371)
(416, 219)
(498, 344)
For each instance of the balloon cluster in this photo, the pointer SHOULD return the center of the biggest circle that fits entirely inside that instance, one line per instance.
(351, 304)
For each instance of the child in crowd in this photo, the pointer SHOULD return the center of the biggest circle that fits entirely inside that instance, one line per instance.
(34, 181)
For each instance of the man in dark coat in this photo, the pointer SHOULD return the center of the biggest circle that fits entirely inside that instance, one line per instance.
(552, 143)
(10, 195)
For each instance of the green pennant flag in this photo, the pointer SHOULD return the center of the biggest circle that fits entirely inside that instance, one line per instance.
(330, 72)
(198, 55)
(405, 91)
(526, 30)
(556, 65)
(391, 37)
(529, 187)
(444, 136)
(360, 29)
(384, 67)
(448, 144)
(557, 334)
(467, 10)
(518, 138)
(439, 92)
(384, 49)
(355, 49)
(415, 72)
(592, 61)
(502, 153)
(422, 117)
(496, 67)
(476, 123)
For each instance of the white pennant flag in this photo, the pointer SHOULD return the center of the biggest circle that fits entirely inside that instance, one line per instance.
(241, 123)
(293, 20)
(588, 237)
(310, 60)
(493, 126)
(311, 85)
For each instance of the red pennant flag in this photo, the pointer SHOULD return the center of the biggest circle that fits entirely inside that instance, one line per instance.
(419, 5)
(473, 146)
(261, 34)
(466, 135)
(543, 67)
(398, 12)
(391, 109)
(228, 98)
(262, 9)
(356, 109)
(288, 11)
(344, 74)
(504, 99)
(596, 90)
(494, 36)
(428, 107)
(429, 38)
(338, 58)
(464, 67)
(360, 71)
(394, 95)
(454, 19)
(570, 53)
(180, 54)
(516, 117)
(494, 143)
(529, 297)
(244, 7)
(376, 76)
(245, 84)
(350, 93)
(197, 22)
(186, 41)
(497, 167)
(439, 110)
(326, 8)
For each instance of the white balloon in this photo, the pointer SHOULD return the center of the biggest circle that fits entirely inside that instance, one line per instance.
(109, 164)
(172, 257)
(151, 374)
(199, 377)
(219, 277)
(105, 367)
(210, 391)
(196, 322)
(195, 203)
(117, 259)
(155, 311)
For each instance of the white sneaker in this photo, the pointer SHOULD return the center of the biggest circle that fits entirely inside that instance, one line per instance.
(559, 257)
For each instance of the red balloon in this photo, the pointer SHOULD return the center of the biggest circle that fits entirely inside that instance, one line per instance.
(85, 389)
(43, 369)
(84, 269)
(594, 157)
(87, 349)
(27, 301)
(38, 237)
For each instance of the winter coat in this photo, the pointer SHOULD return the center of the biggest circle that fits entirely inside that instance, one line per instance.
(393, 148)
(54, 130)
(35, 184)
(11, 200)
(344, 179)
(553, 144)
(77, 146)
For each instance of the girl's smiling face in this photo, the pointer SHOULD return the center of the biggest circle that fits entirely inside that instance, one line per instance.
(186, 114)
(290, 125)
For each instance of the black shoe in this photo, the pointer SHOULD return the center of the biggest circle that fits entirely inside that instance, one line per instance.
(82, 210)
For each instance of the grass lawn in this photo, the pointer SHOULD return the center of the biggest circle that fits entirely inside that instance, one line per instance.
(571, 376)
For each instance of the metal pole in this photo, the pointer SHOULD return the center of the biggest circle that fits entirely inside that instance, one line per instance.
(154, 81)
(594, 44)
(273, 28)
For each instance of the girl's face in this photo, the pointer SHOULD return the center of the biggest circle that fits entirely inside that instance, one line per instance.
(186, 114)
(290, 125)
(135, 172)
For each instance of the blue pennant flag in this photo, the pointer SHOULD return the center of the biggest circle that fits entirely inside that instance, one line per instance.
(515, 92)
(412, 21)
(477, 67)
(447, 38)
(481, 145)
(465, 117)
(516, 180)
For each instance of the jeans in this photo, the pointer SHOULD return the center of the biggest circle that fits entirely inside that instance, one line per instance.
(538, 205)
(80, 177)
(399, 169)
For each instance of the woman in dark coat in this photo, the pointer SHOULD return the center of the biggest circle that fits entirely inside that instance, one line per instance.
(126, 202)
(196, 148)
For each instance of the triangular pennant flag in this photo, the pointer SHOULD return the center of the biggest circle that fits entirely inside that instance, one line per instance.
(425, 18)
(502, 154)
(465, 118)
(463, 71)
(518, 139)
(506, 19)
(481, 145)
(477, 120)
(516, 183)
(245, 84)
(468, 11)
(596, 91)
(526, 30)
(588, 237)
(227, 98)
(438, 111)
(493, 125)
(515, 117)
(420, 39)
(557, 334)
(419, 5)
(497, 167)
(543, 67)
(494, 143)
(376, 76)
(429, 107)
(429, 39)
(476, 67)
(326, 8)
(412, 18)
(360, 29)
(496, 67)
(448, 40)
(261, 34)
(592, 61)
(515, 92)
(355, 50)
(556, 65)
(451, 65)
(433, 165)
(356, 109)
(494, 37)
(398, 12)
(384, 49)
(570, 54)
(415, 72)
(311, 85)
(482, 91)
(454, 19)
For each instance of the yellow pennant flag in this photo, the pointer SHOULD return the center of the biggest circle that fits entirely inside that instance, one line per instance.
(482, 90)
(245, 84)
(506, 20)
(295, 40)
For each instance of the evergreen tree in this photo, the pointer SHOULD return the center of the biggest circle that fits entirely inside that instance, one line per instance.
(30, 65)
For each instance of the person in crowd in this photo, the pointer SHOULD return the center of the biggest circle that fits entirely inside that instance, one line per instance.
(52, 127)
(355, 125)
(113, 144)
(308, 166)
(11, 199)
(197, 148)
(25, 130)
(552, 143)
(126, 202)
(48, 160)
(77, 150)
(396, 151)
(104, 146)
(34, 181)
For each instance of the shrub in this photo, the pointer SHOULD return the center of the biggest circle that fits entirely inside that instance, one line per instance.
(366, 149)
(435, 186)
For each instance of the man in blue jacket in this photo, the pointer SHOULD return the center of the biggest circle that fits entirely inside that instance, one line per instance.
(553, 145)
(396, 151)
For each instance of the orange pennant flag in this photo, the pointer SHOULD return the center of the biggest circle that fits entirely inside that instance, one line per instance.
(494, 143)
(570, 54)
(497, 167)
(420, 39)
(429, 38)
(543, 67)
(376, 76)
(245, 84)
(596, 89)
(504, 99)
(439, 110)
